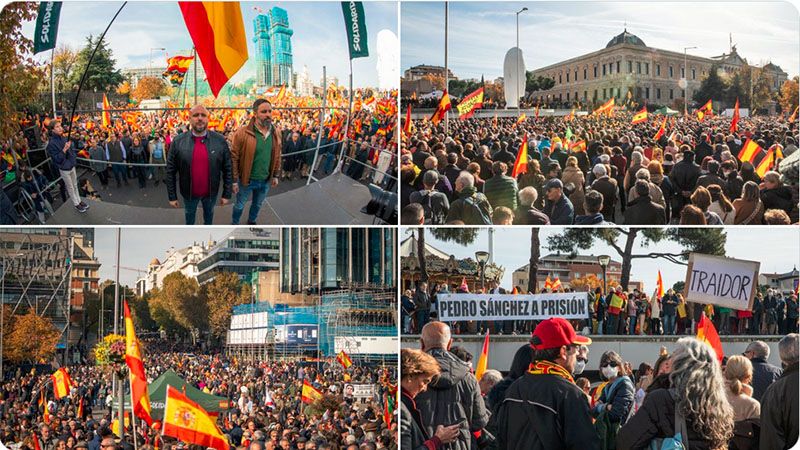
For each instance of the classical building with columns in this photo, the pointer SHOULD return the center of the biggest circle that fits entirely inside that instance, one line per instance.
(627, 64)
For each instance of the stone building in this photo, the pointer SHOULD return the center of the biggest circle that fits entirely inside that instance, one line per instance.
(651, 75)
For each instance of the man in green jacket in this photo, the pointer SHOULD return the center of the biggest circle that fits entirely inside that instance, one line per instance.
(501, 190)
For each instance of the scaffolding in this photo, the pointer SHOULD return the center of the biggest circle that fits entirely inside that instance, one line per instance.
(37, 275)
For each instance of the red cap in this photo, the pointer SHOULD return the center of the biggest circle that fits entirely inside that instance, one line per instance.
(555, 332)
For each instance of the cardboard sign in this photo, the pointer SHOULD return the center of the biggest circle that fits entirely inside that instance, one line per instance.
(721, 281)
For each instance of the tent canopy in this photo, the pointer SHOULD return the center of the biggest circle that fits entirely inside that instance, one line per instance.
(157, 390)
(665, 110)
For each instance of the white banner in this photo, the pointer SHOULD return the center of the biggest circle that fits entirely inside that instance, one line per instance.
(717, 280)
(359, 390)
(464, 307)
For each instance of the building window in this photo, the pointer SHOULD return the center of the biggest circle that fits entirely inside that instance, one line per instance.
(567, 77)
(647, 93)
(683, 93)
(694, 74)
(638, 67)
(638, 93)
(584, 74)
(671, 72)
(683, 72)
(595, 71)
(604, 94)
(87, 286)
(658, 70)
(576, 75)
(559, 97)
(617, 66)
(567, 96)
(647, 68)
(604, 70)
(630, 66)
(595, 95)
(559, 78)
(658, 93)
(617, 92)
(584, 95)
(576, 96)
(671, 94)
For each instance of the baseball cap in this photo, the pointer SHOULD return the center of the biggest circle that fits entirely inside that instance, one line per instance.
(555, 332)
(554, 183)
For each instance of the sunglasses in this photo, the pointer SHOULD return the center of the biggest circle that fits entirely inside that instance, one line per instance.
(610, 363)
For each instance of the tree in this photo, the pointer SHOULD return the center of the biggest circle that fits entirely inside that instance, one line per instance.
(738, 88)
(762, 82)
(65, 61)
(790, 94)
(537, 83)
(678, 286)
(19, 74)
(33, 338)
(223, 293)
(102, 75)
(533, 263)
(436, 80)
(701, 240)
(713, 87)
(149, 87)
(140, 310)
(178, 304)
(423, 268)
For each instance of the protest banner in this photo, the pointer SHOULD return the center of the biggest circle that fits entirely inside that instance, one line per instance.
(359, 390)
(465, 307)
(721, 281)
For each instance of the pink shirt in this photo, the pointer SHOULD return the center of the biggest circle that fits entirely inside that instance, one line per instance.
(200, 169)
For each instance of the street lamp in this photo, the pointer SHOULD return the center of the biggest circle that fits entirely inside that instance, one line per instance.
(685, 81)
(3, 309)
(482, 257)
(516, 88)
(603, 260)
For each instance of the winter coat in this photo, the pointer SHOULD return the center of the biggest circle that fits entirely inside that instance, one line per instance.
(607, 186)
(684, 176)
(530, 216)
(560, 212)
(575, 176)
(435, 205)
(412, 435)
(643, 211)
(501, 190)
(779, 412)
(55, 150)
(179, 166)
(471, 207)
(764, 374)
(454, 397)
(778, 198)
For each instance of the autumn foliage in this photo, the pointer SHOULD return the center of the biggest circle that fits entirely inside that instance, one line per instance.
(32, 338)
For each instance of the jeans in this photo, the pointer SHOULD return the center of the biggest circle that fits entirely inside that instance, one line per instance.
(120, 173)
(103, 176)
(669, 324)
(422, 318)
(612, 324)
(631, 325)
(259, 190)
(190, 206)
(407, 324)
(71, 182)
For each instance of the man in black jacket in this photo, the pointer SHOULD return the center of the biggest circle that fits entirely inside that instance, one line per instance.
(779, 407)
(684, 176)
(764, 373)
(544, 409)
(198, 160)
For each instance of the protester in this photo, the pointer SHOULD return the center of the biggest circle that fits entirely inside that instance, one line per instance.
(738, 377)
(764, 373)
(779, 408)
(63, 155)
(616, 400)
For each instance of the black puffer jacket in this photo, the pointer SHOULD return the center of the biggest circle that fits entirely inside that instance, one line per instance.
(454, 397)
(179, 164)
(778, 198)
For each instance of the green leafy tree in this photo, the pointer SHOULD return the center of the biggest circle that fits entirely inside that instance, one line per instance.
(738, 88)
(179, 304)
(701, 240)
(223, 293)
(713, 87)
(19, 74)
(762, 82)
(678, 286)
(102, 75)
(535, 83)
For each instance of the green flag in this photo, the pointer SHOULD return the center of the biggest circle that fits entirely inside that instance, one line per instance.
(356, 28)
(46, 26)
(568, 134)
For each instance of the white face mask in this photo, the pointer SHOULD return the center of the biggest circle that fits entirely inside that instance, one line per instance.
(609, 372)
(580, 365)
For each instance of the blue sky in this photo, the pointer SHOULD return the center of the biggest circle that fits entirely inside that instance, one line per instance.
(319, 36)
(480, 33)
(778, 250)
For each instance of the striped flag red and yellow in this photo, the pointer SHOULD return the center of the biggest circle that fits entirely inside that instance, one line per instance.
(794, 115)
(556, 284)
(407, 124)
(768, 161)
(548, 283)
(81, 412)
(750, 151)
(640, 116)
(310, 394)
(705, 110)
(578, 146)
(217, 31)
(735, 119)
(441, 110)
(61, 383)
(133, 358)
(661, 130)
(106, 112)
(607, 107)
(706, 332)
(520, 119)
(483, 360)
(469, 104)
(344, 359)
(521, 163)
(659, 286)
(536, 112)
(187, 421)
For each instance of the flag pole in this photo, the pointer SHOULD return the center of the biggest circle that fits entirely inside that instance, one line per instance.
(133, 416)
(88, 64)
(446, 72)
(194, 55)
(53, 80)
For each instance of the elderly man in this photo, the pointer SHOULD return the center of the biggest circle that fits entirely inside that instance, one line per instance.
(454, 398)
(779, 408)
(471, 207)
(526, 213)
(198, 160)
(764, 373)
(557, 206)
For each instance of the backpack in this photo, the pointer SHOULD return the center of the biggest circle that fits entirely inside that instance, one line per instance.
(680, 441)
(745, 435)
(472, 207)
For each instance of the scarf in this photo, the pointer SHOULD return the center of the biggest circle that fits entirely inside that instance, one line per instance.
(549, 368)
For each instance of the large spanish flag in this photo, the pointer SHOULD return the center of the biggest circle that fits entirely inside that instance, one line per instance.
(310, 394)
(706, 332)
(640, 116)
(441, 110)
(521, 164)
(61, 383)
(607, 107)
(106, 112)
(469, 104)
(217, 31)
(483, 360)
(187, 421)
(750, 150)
(661, 130)
(133, 358)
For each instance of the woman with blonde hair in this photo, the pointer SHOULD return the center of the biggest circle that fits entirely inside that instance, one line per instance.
(417, 370)
(738, 376)
(696, 400)
(721, 205)
(749, 208)
(572, 174)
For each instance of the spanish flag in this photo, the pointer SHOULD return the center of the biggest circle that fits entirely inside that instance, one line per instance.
(310, 394)
(483, 360)
(704, 110)
(469, 104)
(521, 164)
(750, 150)
(441, 110)
(615, 306)
(188, 422)
(708, 334)
(407, 124)
(61, 383)
(548, 284)
(536, 112)
(793, 116)
(80, 409)
(217, 32)
(521, 119)
(344, 359)
(661, 130)
(659, 285)
(556, 284)
(281, 94)
(571, 115)
(607, 107)
(106, 112)
(768, 161)
(578, 146)
(640, 116)
(735, 120)
(133, 358)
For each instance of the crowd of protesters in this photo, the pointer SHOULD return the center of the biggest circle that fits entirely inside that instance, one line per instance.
(337, 422)
(686, 400)
(134, 150)
(773, 313)
(594, 169)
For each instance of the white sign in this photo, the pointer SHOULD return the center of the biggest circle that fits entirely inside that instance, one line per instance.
(359, 390)
(717, 280)
(464, 307)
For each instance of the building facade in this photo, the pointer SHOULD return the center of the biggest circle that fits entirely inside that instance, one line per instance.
(783, 282)
(568, 269)
(314, 260)
(243, 251)
(184, 260)
(84, 281)
(273, 45)
(627, 64)
(133, 75)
